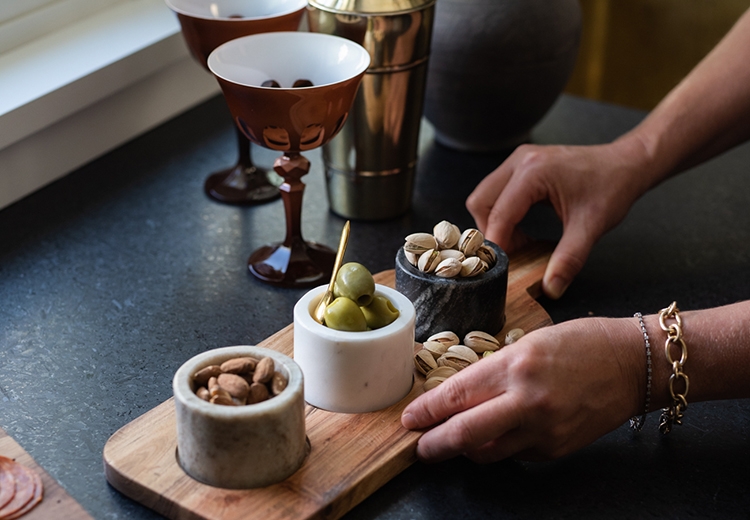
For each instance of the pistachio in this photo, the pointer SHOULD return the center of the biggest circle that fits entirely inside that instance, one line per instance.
(463, 351)
(480, 342)
(431, 383)
(448, 268)
(513, 335)
(435, 348)
(486, 353)
(424, 361)
(412, 258)
(472, 266)
(458, 357)
(446, 234)
(429, 260)
(446, 337)
(441, 372)
(470, 241)
(452, 253)
(444, 361)
(487, 254)
(418, 243)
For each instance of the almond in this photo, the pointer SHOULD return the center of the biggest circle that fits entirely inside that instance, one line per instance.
(234, 384)
(264, 370)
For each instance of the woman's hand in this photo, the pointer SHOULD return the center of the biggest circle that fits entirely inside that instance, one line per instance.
(554, 391)
(591, 188)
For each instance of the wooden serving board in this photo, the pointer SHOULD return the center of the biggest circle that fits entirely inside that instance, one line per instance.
(56, 502)
(352, 454)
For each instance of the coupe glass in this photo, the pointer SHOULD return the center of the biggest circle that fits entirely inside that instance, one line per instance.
(206, 25)
(290, 120)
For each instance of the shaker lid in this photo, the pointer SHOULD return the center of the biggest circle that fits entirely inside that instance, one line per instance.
(370, 6)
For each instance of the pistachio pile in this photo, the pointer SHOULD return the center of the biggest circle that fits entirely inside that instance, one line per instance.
(239, 381)
(448, 252)
(443, 355)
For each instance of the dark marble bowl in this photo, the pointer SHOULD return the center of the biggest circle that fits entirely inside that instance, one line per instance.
(457, 304)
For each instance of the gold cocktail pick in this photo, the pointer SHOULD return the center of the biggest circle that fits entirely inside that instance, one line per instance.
(327, 298)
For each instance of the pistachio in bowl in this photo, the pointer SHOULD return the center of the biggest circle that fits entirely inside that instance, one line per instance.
(456, 280)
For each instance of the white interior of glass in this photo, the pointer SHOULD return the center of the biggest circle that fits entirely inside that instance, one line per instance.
(288, 56)
(222, 9)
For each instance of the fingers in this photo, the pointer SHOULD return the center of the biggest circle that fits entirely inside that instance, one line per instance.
(511, 444)
(501, 201)
(470, 387)
(469, 431)
(568, 259)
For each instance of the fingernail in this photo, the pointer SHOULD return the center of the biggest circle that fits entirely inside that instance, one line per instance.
(408, 421)
(556, 287)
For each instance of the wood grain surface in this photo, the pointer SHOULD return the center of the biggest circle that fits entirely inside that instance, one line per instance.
(352, 454)
(56, 502)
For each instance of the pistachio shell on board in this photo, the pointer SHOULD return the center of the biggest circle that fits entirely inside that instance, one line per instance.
(463, 351)
(435, 348)
(472, 266)
(513, 335)
(444, 361)
(424, 361)
(470, 241)
(445, 337)
(418, 243)
(441, 372)
(479, 341)
(448, 268)
(446, 234)
(428, 260)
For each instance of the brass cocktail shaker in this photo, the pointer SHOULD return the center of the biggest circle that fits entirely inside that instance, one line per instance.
(370, 165)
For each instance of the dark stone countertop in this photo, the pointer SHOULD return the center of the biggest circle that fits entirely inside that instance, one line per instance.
(115, 275)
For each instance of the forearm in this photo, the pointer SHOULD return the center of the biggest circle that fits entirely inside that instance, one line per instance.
(705, 115)
(718, 346)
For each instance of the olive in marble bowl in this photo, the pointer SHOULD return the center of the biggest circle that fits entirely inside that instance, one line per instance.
(355, 371)
(240, 447)
(459, 304)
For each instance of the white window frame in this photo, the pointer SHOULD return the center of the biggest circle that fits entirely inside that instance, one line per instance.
(81, 78)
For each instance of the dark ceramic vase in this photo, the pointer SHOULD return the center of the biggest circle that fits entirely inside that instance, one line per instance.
(496, 67)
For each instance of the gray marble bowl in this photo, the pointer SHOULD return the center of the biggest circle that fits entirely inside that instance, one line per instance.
(240, 447)
(460, 305)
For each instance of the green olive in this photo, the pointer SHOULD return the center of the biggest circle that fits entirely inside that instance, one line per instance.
(380, 312)
(355, 282)
(343, 314)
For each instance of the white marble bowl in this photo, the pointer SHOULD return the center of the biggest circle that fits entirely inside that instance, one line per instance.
(240, 447)
(355, 372)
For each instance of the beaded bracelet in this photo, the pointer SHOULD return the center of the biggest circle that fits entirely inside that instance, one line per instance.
(636, 422)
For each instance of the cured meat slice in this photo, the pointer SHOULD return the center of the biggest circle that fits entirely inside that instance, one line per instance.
(7, 481)
(25, 490)
(35, 499)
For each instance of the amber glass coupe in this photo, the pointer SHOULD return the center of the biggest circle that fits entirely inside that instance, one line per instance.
(291, 120)
(206, 25)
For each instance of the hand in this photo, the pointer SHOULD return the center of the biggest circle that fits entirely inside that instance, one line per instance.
(554, 391)
(590, 187)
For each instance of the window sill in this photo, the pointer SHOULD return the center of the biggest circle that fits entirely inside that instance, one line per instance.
(87, 88)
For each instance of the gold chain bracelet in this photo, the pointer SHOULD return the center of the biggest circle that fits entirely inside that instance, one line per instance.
(672, 415)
